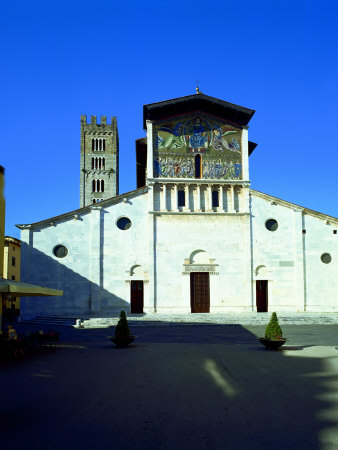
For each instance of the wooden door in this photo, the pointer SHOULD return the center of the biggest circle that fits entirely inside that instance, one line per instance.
(136, 297)
(199, 292)
(262, 295)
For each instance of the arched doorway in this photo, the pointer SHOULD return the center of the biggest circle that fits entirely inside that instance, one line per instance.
(136, 290)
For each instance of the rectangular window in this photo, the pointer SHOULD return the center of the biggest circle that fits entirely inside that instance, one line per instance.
(13, 277)
(13, 261)
(215, 201)
(181, 198)
(334, 231)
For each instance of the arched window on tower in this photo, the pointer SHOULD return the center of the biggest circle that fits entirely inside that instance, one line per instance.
(104, 145)
(103, 163)
(100, 144)
(96, 145)
(93, 159)
(96, 163)
(93, 145)
(102, 185)
(94, 185)
(198, 171)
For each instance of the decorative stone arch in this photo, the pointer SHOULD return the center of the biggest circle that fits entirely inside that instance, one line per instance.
(199, 261)
(263, 272)
(136, 271)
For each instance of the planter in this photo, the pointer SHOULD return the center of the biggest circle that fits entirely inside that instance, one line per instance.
(122, 341)
(271, 344)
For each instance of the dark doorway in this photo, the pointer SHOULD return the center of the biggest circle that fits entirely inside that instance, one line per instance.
(136, 297)
(199, 292)
(262, 295)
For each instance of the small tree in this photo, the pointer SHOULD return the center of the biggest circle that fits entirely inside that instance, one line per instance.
(122, 328)
(273, 330)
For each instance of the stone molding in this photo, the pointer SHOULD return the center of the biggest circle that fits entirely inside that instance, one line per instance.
(211, 268)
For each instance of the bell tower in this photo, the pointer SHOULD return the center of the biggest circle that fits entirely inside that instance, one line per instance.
(99, 176)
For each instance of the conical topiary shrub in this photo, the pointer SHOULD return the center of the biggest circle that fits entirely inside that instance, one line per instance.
(123, 336)
(122, 328)
(273, 331)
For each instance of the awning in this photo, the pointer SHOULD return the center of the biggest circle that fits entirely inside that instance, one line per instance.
(18, 289)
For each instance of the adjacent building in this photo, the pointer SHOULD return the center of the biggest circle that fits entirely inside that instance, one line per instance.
(11, 264)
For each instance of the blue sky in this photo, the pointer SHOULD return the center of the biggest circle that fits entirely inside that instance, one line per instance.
(61, 59)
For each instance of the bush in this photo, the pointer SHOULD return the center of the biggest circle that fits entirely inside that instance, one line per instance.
(122, 328)
(273, 330)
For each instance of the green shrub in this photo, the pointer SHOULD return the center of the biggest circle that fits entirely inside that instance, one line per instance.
(273, 330)
(122, 328)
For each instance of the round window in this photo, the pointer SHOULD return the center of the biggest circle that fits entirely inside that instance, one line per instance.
(326, 258)
(123, 223)
(271, 225)
(60, 251)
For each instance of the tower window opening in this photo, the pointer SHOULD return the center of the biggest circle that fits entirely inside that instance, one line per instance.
(100, 144)
(96, 145)
(104, 145)
(93, 144)
(102, 185)
(103, 163)
(94, 185)
(215, 199)
(181, 198)
(198, 166)
(93, 163)
(94, 200)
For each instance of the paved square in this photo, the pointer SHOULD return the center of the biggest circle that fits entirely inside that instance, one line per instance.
(177, 387)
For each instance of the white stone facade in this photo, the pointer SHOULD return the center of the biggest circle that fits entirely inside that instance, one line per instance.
(295, 263)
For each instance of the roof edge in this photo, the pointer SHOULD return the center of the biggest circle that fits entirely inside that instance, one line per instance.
(308, 211)
(83, 210)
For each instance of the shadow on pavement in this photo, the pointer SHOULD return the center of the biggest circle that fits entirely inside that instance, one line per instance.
(176, 387)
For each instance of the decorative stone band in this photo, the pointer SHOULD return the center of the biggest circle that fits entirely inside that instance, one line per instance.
(211, 268)
(133, 279)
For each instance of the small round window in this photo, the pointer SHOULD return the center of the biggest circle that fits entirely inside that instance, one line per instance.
(271, 225)
(60, 251)
(326, 258)
(123, 223)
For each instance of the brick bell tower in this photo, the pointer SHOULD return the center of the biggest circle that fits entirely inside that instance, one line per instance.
(99, 176)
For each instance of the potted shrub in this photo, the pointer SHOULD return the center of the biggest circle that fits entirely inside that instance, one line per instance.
(122, 337)
(273, 338)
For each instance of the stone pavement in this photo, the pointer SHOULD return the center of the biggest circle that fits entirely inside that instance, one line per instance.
(177, 387)
(285, 318)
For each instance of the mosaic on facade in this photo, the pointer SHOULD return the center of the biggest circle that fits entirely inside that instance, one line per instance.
(178, 142)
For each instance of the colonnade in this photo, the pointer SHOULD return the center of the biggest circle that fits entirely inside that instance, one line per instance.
(191, 197)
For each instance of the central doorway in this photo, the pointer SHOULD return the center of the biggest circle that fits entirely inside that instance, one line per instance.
(199, 292)
(262, 295)
(136, 296)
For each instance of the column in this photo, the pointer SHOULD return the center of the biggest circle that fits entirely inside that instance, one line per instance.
(186, 192)
(220, 200)
(198, 198)
(232, 196)
(95, 266)
(164, 198)
(210, 196)
(299, 252)
(175, 198)
(150, 141)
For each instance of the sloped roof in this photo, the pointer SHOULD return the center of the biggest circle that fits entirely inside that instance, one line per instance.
(83, 210)
(197, 102)
(287, 204)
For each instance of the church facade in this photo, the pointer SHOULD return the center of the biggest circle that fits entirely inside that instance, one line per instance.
(193, 237)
